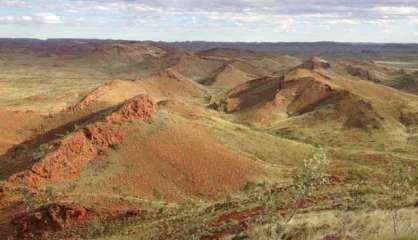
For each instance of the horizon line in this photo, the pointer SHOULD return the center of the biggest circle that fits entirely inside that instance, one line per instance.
(206, 41)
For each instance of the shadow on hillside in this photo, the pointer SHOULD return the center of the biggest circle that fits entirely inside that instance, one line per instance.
(24, 155)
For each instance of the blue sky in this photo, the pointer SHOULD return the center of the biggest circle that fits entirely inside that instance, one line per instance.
(216, 20)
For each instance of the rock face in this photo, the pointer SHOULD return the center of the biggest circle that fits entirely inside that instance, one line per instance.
(70, 154)
(50, 218)
(316, 63)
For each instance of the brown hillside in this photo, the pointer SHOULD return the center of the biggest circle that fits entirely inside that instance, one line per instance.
(302, 90)
(110, 93)
(398, 77)
(316, 63)
(170, 83)
(165, 84)
(231, 76)
(196, 68)
(250, 93)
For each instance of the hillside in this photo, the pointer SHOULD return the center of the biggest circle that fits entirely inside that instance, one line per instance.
(137, 140)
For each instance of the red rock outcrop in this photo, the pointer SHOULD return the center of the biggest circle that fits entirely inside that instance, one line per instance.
(70, 154)
(50, 218)
(141, 107)
(101, 136)
(92, 96)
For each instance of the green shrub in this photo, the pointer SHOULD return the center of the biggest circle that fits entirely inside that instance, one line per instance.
(157, 194)
(40, 152)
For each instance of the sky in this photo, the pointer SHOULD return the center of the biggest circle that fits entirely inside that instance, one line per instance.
(213, 20)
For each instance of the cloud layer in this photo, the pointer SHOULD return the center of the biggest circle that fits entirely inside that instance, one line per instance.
(216, 15)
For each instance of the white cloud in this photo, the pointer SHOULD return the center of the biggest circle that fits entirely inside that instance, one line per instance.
(40, 18)
(241, 12)
(49, 18)
(386, 10)
(413, 20)
(12, 3)
(15, 19)
(343, 21)
(277, 15)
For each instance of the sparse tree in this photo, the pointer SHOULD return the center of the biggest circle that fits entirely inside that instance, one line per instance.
(311, 176)
(400, 190)
(357, 197)
(308, 178)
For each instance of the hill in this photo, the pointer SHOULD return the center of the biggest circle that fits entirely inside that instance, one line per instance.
(141, 140)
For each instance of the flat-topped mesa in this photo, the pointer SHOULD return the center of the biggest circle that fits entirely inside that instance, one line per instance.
(70, 154)
(316, 63)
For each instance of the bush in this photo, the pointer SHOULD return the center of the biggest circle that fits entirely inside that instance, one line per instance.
(157, 194)
(312, 175)
(400, 191)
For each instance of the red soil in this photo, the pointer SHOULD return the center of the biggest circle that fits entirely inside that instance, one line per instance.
(236, 215)
(17, 127)
(179, 162)
(71, 154)
(243, 218)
